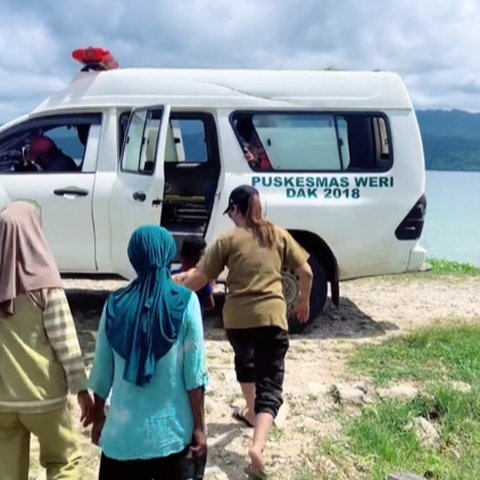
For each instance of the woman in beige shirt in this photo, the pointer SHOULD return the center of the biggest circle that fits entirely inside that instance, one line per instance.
(40, 357)
(255, 311)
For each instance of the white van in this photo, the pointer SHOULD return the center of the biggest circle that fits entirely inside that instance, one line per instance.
(336, 156)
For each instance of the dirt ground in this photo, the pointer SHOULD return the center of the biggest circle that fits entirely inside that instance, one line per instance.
(370, 310)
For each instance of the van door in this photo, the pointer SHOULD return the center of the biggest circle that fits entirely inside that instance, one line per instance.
(138, 192)
(59, 179)
(192, 171)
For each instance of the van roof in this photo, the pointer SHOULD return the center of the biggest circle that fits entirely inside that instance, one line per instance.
(127, 87)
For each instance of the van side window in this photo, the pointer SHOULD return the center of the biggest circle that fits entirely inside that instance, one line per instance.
(186, 141)
(140, 148)
(314, 141)
(55, 144)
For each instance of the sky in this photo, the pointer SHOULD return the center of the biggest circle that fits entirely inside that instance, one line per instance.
(433, 44)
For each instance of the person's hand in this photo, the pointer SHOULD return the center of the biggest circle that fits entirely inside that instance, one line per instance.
(302, 309)
(198, 447)
(98, 420)
(179, 278)
(97, 428)
(85, 403)
(249, 157)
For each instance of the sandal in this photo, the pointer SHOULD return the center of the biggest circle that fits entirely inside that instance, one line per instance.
(238, 415)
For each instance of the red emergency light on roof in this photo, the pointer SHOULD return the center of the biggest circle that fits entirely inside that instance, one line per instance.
(95, 58)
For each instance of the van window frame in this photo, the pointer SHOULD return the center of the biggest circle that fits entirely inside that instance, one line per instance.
(335, 113)
(208, 119)
(90, 118)
(123, 146)
(211, 136)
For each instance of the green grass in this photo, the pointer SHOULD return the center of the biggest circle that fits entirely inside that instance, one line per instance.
(304, 473)
(277, 433)
(429, 355)
(378, 442)
(440, 269)
(449, 267)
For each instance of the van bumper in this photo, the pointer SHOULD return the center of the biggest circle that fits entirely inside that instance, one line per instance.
(417, 259)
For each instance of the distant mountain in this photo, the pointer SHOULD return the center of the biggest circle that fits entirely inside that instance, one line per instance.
(450, 123)
(451, 139)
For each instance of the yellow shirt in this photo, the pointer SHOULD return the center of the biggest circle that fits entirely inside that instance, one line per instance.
(255, 288)
(40, 357)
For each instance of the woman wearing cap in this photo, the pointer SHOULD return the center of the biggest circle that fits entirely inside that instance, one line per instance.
(255, 311)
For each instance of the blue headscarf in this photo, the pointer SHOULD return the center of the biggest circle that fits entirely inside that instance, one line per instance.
(143, 320)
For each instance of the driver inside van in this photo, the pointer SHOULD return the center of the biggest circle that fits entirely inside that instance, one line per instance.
(44, 156)
(252, 147)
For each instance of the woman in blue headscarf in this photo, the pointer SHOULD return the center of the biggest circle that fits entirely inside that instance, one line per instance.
(150, 353)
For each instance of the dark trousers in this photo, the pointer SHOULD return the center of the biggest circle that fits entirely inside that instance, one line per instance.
(173, 467)
(260, 358)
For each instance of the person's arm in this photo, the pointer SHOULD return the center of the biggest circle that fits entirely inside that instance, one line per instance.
(97, 418)
(101, 377)
(62, 335)
(195, 279)
(210, 302)
(209, 298)
(296, 259)
(302, 306)
(198, 447)
(195, 374)
(210, 266)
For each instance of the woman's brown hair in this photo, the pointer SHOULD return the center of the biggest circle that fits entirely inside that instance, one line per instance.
(263, 230)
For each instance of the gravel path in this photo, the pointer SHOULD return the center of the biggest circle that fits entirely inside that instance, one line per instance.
(370, 310)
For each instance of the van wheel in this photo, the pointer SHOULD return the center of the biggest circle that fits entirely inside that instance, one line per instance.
(318, 295)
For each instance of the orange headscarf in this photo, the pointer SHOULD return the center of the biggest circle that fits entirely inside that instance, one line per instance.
(26, 261)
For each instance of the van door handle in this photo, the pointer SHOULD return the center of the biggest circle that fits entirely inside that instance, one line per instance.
(139, 196)
(74, 191)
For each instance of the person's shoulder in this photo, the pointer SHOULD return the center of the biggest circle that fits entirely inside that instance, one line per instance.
(241, 236)
(193, 305)
(281, 233)
(224, 238)
(228, 234)
(179, 289)
(280, 230)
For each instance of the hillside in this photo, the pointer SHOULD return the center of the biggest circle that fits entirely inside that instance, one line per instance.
(451, 139)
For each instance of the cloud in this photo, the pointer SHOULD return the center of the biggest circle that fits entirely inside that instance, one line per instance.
(433, 44)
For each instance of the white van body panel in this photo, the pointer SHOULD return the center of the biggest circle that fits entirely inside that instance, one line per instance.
(358, 231)
(233, 88)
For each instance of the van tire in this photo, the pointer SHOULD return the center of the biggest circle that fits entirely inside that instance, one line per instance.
(318, 295)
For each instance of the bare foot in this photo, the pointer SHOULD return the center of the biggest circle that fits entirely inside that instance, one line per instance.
(256, 459)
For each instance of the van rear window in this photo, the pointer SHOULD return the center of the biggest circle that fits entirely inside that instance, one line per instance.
(314, 141)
